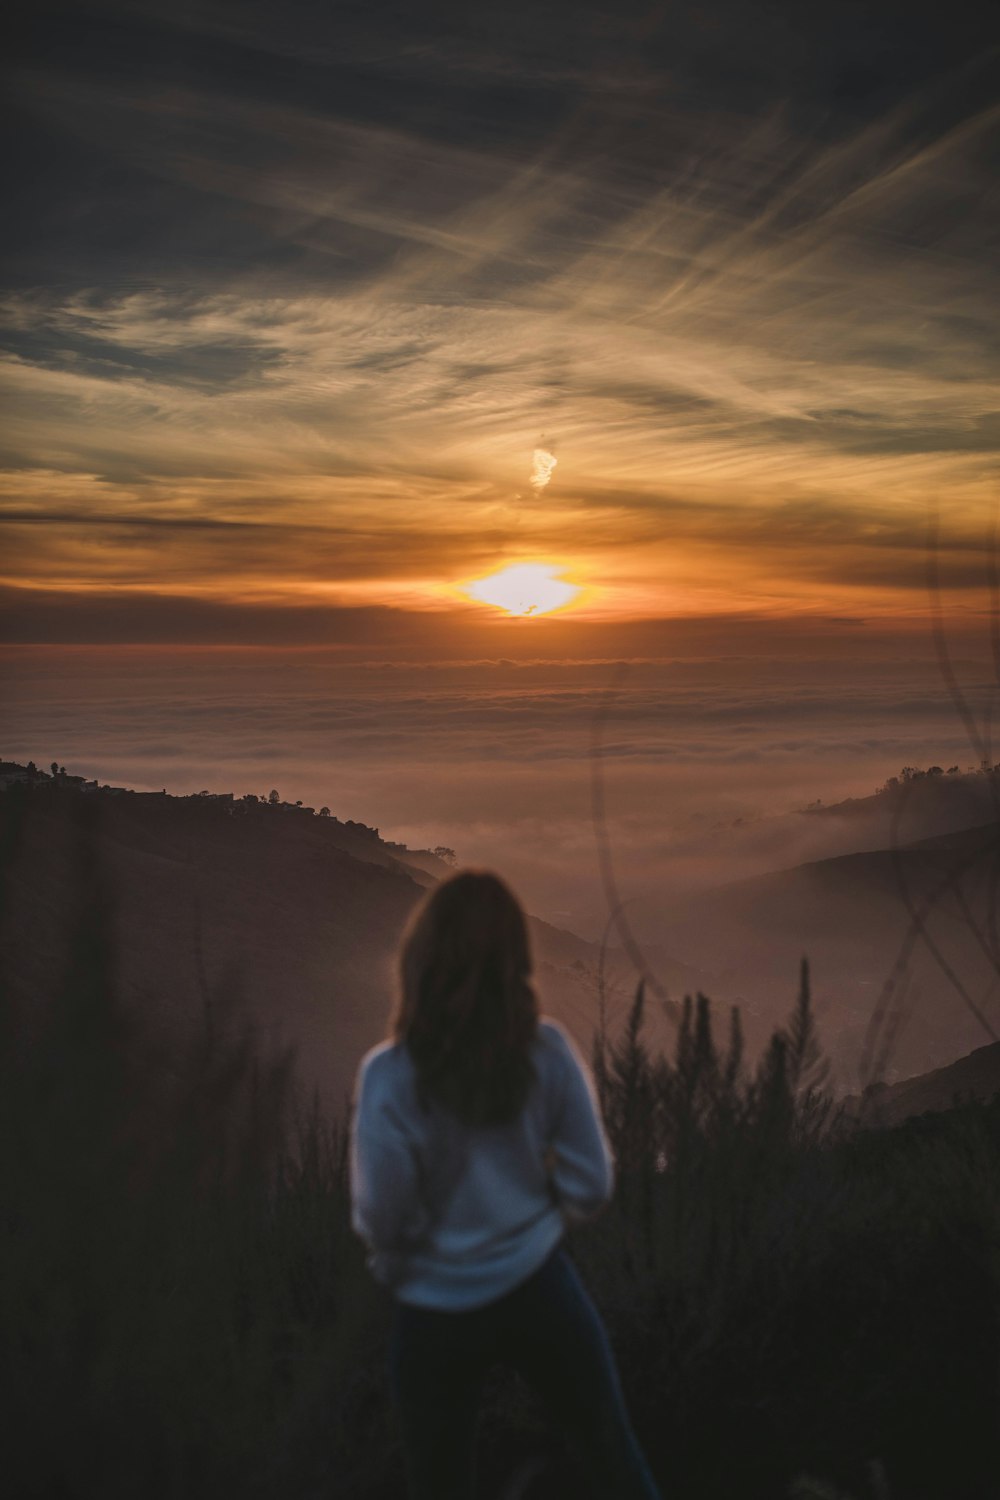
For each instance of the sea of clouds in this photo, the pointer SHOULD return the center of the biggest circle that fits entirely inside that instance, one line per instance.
(705, 765)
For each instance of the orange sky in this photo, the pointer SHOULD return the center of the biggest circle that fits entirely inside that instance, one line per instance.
(761, 355)
(290, 298)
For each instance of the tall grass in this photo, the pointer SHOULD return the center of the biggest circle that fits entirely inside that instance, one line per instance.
(791, 1296)
(184, 1311)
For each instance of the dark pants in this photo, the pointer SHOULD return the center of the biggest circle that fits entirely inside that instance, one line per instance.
(549, 1331)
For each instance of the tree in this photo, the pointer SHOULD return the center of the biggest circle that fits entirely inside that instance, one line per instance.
(324, 812)
(273, 797)
(804, 1064)
(448, 856)
(54, 768)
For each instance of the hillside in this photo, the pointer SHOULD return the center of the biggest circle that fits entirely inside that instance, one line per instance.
(248, 915)
(849, 915)
(917, 804)
(976, 1076)
(807, 1289)
(276, 918)
(912, 806)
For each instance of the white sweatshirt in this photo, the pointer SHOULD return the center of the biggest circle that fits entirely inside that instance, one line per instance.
(456, 1215)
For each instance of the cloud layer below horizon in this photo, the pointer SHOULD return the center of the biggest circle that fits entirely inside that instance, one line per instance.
(701, 757)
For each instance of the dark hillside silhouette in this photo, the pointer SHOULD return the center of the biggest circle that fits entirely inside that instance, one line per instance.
(920, 801)
(974, 1077)
(296, 916)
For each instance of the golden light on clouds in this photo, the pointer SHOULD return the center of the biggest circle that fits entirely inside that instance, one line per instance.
(542, 464)
(524, 589)
(754, 407)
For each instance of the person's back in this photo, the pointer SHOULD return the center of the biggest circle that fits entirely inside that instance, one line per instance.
(476, 1139)
(455, 1214)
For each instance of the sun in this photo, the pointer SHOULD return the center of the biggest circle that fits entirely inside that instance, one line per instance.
(524, 589)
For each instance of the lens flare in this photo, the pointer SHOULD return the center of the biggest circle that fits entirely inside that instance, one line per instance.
(524, 589)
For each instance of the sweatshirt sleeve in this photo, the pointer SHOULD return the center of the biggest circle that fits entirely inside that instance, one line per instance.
(583, 1167)
(386, 1209)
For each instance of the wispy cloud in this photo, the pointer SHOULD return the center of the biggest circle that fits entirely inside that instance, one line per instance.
(766, 346)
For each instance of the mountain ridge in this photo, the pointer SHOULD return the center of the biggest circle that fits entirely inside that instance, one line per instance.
(302, 914)
(974, 1076)
(211, 902)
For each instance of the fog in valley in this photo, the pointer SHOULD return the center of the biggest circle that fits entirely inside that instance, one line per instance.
(712, 777)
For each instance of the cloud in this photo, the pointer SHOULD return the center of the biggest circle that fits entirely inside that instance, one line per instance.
(35, 616)
(542, 464)
(285, 344)
(493, 758)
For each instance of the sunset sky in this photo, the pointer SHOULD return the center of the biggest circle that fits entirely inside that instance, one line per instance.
(294, 294)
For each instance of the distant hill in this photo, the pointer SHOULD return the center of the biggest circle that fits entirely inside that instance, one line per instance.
(849, 916)
(244, 913)
(913, 806)
(976, 1076)
(919, 803)
(287, 921)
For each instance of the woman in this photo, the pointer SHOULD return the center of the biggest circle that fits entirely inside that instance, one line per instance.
(476, 1141)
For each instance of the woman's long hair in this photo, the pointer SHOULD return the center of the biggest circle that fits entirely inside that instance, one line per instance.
(467, 1011)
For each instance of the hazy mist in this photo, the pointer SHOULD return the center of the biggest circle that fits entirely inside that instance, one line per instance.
(705, 762)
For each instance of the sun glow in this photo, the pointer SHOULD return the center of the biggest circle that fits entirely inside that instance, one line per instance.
(524, 589)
